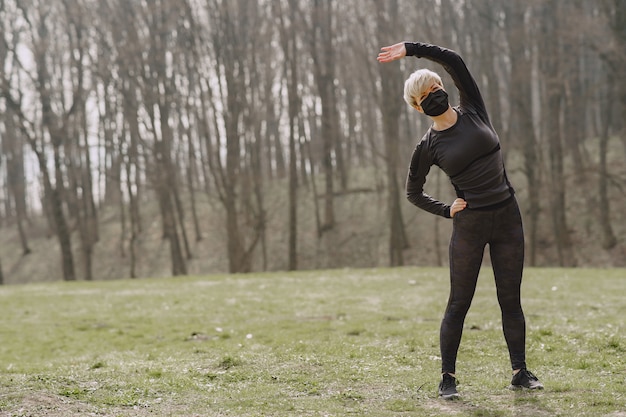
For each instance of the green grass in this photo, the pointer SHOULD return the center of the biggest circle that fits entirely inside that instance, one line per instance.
(323, 343)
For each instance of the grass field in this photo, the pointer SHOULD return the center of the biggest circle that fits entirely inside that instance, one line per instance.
(323, 343)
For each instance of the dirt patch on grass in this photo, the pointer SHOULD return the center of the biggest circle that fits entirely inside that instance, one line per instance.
(38, 403)
(50, 405)
(44, 404)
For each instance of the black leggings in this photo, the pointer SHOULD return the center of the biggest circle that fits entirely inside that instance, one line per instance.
(501, 228)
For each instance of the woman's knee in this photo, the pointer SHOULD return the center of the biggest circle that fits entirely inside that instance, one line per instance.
(457, 309)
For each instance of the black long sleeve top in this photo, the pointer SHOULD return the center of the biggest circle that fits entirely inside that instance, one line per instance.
(468, 152)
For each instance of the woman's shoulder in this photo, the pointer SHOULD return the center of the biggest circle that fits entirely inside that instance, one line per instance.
(465, 110)
(471, 113)
(428, 138)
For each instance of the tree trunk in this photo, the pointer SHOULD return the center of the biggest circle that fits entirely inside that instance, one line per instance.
(552, 105)
(521, 122)
(609, 241)
(324, 71)
(14, 152)
(112, 170)
(135, 221)
(236, 260)
(132, 164)
(288, 42)
(618, 29)
(192, 171)
(162, 179)
(79, 172)
(159, 92)
(390, 106)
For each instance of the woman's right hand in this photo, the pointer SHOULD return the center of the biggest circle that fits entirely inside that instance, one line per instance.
(458, 205)
(391, 53)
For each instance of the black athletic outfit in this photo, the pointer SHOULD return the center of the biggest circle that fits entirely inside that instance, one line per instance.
(469, 153)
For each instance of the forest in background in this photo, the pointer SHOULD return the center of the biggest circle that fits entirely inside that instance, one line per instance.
(169, 137)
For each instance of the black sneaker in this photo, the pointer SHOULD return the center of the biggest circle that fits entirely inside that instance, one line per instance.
(447, 388)
(525, 379)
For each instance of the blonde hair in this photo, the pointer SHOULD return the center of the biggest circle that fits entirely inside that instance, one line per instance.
(417, 83)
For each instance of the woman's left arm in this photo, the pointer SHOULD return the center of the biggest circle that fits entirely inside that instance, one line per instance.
(451, 62)
(455, 66)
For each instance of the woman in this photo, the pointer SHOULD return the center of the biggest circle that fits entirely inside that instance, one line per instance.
(462, 142)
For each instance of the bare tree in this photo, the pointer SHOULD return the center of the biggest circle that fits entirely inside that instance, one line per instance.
(12, 148)
(522, 130)
(615, 54)
(552, 75)
(609, 241)
(159, 92)
(80, 196)
(231, 33)
(612, 53)
(289, 43)
(128, 63)
(147, 53)
(320, 36)
(13, 151)
(391, 110)
(53, 127)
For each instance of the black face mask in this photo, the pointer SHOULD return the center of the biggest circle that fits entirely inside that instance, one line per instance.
(435, 103)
